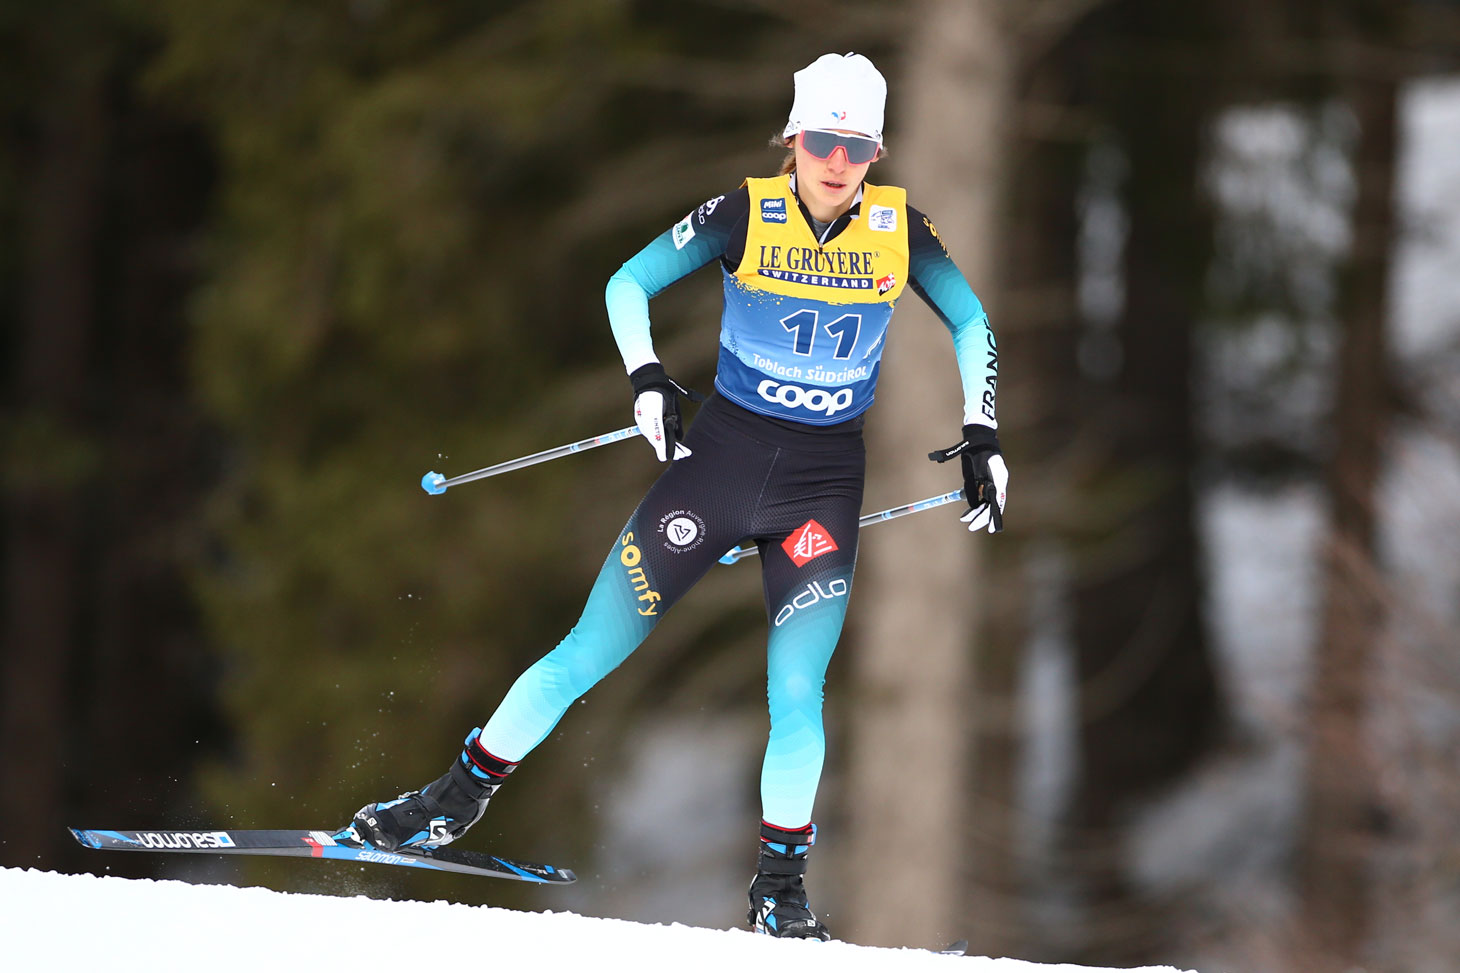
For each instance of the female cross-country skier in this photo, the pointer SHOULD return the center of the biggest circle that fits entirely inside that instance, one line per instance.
(813, 261)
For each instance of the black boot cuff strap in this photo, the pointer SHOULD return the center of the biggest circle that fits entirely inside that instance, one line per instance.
(776, 865)
(471, 783)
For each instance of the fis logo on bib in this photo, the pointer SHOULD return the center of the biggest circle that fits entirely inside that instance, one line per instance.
(812, 400)
(773, 210)
(883, 218)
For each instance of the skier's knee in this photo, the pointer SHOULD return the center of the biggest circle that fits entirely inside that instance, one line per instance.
(795, 692)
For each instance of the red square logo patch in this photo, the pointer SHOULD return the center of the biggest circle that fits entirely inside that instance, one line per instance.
(811, 540)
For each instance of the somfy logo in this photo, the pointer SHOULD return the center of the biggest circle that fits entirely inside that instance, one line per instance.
(814, 400)
(629, 557)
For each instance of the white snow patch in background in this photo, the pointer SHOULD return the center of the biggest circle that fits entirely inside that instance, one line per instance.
(83, 922)
(1262, 561)
(1425, 315)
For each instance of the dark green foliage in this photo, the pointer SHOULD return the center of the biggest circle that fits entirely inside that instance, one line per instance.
(419, 208)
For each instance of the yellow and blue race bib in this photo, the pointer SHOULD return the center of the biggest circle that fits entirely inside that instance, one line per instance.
(804, 323)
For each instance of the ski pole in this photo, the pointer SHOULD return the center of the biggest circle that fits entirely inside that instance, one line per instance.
(434, 483)
(891, 513)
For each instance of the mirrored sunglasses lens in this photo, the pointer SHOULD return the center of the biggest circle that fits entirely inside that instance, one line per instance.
(823, 144)
(859, 150)
(819, 144)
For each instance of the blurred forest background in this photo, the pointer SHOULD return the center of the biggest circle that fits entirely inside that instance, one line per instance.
(265, 262)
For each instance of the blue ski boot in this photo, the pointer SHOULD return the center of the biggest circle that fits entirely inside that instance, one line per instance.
(778, 904)
(438, 813)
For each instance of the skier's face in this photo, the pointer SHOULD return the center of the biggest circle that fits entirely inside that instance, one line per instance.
(828, 185)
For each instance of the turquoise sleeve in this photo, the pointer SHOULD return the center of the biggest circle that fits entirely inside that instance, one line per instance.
(938, 281)
(674, 254)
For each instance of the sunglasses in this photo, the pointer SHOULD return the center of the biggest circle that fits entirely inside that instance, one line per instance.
(821, 144)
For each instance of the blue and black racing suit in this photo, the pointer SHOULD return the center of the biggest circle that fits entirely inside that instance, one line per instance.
(778, 458)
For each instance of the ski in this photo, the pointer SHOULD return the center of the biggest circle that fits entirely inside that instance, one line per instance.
(321, 844)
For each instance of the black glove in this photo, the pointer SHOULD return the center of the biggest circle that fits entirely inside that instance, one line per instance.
(656, 409)
(985, 476)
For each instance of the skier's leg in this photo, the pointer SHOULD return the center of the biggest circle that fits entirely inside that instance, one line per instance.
(665, 548)
(700, 508)
(627, 600)
(630, 596)
(808, 583)
(808, 580)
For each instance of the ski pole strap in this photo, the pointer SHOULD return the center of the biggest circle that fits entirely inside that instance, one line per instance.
(435, 484)
(687, 392)
(891, 513)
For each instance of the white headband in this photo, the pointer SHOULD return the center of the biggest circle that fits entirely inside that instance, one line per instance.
(839, 91)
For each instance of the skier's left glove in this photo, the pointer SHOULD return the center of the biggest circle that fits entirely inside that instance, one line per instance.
(985, 476)
(656, 410)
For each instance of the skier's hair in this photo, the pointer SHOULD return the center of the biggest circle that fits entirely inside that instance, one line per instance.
(788, 164)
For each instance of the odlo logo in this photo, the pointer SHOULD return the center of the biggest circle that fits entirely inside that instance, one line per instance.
(810, 595)
(808, 542)
(795, 397)
(629, 557)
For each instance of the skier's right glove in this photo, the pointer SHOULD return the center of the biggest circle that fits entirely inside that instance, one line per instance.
(656, 410)
(985, 477)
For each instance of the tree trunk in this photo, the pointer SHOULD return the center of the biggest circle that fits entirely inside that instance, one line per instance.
(1038, 325)
(44, 558)
(100, 634)
(1149, 700)
(1343, 813)
(918, 596)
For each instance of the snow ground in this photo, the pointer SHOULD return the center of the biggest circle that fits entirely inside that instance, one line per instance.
(85, 922)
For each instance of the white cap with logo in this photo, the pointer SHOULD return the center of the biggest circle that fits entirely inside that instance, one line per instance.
(839, 91)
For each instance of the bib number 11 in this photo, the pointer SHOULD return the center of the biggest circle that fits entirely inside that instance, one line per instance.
(804, 324)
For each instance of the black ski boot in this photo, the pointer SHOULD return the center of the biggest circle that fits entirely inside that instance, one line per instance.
(777, 896)
(438, 813)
